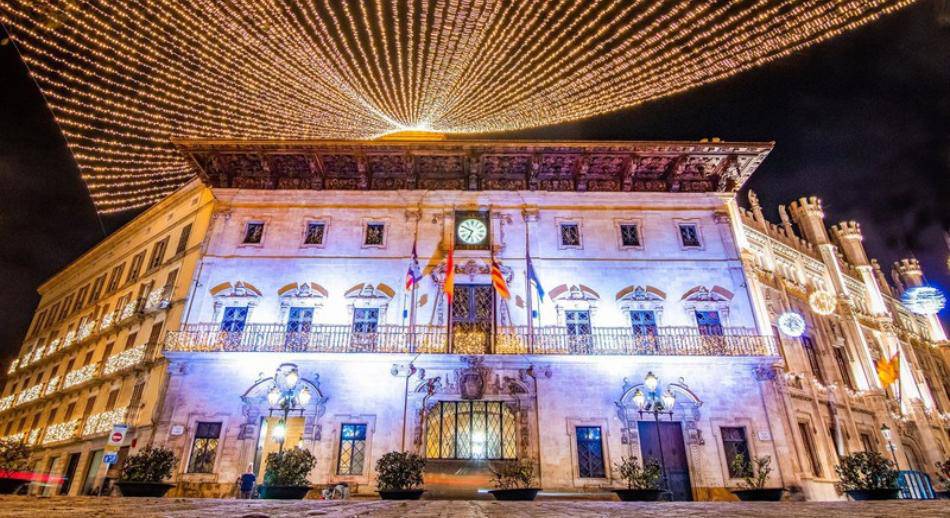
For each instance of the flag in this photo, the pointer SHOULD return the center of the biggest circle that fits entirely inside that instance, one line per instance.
(413, 274)
(889, 370)
(498, 280)
(533, 277)
(449, 284)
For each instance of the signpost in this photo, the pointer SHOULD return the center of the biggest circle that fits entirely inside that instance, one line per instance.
(111, 451)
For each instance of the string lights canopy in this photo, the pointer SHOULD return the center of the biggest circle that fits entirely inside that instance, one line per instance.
(126, 77)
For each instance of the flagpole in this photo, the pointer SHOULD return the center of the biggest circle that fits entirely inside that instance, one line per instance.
(412, 296)
(527, 283)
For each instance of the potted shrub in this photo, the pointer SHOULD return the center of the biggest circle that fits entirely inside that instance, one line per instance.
(514, 480)
(643, 482)
(144, 472)
(286, 475)
(399, 475)
(754, 476)
(868, 476)
(943, 475)
(14, 466)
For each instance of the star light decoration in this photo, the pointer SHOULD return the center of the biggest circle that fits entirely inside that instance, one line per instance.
(822, 302)
(791, 324)
(924, 300)
(124, 78)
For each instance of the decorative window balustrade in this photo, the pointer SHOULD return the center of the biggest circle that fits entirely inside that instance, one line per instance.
(30, 394)
(6, 403)
(34, 436)
(103, 421)
(668, 341)
(52, 385)
(13, 437)
(61, 431)
(125, 359)
(80, 375)
(13, 366)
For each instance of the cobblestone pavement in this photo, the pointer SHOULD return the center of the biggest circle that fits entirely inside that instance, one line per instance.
(33, 507)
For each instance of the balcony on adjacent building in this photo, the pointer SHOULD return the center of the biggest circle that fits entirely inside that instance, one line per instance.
(554, 340)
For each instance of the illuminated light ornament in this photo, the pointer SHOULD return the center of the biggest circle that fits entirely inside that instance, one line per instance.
(924, 300)
(791, 324)
(822, 302)
(125, 79)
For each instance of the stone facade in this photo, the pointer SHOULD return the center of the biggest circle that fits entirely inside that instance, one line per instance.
(291, 275)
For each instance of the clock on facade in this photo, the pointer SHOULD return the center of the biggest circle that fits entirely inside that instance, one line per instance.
(471, 230)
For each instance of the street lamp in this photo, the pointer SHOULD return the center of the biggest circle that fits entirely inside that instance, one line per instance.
(655, 401)
(886, 433)
(286, 395)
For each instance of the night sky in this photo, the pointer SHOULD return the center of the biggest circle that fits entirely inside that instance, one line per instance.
(862, 121)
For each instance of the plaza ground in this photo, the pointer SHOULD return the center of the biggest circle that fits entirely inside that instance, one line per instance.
(33, 507)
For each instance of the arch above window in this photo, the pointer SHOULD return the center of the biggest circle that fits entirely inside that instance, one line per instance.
(642, 298)
(703, 299)
(236, 294)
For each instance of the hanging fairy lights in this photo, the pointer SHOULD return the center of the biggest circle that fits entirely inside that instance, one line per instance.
(124, 79)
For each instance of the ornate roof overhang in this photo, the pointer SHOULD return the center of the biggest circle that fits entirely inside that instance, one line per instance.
(475, 165)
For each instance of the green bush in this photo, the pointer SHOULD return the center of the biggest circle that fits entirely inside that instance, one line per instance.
(149, 465)
(943, 473)
(398, 471)
(866, 470)
(289, 467)
(513, 474)
(637, 477)
(14, 456)
(754, 474)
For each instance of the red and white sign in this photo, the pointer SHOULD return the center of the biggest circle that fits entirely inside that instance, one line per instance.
(117, 435)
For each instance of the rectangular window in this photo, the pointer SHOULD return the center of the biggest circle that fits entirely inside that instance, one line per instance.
(234, 319)
(365, 320)
(158, 254)
(577, 322)
(590, 452)
(629, 235)
(88, 359)
(130, 341)
(300, 319)
(689, 235)
(867, 443)
(155, 333)
(205, 447)
(709, 323)
(471, 430)
(734, 443)
(570, 234)
(813, 361)
(315, 233)
(810, 451)
(183, 239)
(116, 277)
(643, 322)
(375, 234)
(352, 449)
(253, 233)
(113, 397)
(136, 398)
(844, 366)
(136, 267)
(80, 298)
(64, 311)
(108, 351)
(97, 286)
(69, 411)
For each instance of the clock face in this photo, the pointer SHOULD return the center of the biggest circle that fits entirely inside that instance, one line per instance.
(471, 231)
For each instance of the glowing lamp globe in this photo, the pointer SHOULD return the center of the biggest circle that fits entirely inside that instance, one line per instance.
(822, 302)
(639, 398)
(304, 396)
(924, 300)
(273, 397)
(791, 324)
(650, 381)
(668, 400)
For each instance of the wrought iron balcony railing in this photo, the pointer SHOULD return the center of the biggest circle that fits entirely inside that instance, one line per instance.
(668, 341)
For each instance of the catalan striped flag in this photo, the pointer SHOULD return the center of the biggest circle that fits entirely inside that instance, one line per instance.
(498, 280)
(449, 284)
(889, 370)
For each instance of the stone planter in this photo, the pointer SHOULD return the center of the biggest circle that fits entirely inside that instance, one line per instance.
(525, 493)
(638, 495)
(149, 489)
(401, 494)
(284, 492)
(9, 485)
(759, 495)
(873, 494)
(942, 495)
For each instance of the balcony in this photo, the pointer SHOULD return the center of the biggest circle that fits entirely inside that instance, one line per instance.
(668, 341)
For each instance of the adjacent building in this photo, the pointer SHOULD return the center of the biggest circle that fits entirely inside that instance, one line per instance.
(290, 314)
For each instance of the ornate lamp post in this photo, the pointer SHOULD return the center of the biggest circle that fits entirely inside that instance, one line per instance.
(656, 401)
(886, 433)
(286, 395)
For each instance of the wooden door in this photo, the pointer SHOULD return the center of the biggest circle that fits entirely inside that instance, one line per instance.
(674, 455)
(473, 316)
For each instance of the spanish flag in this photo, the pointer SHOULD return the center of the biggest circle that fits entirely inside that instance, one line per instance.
(449, 284)
(498, 280)
(888, 371)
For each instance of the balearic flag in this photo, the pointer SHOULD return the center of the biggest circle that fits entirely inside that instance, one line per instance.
(533, 276)
(498, 280)
(888, 371)
(413, 274)
(449, 284)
